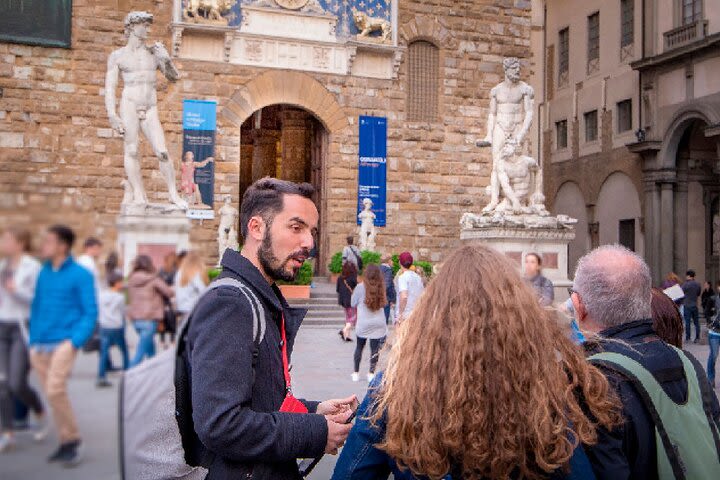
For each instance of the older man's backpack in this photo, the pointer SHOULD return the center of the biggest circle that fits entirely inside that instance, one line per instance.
(687, 436)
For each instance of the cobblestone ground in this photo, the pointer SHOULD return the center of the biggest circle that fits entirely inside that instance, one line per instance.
(322, 370)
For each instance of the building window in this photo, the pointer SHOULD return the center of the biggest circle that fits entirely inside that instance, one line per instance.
(561, 136)
(627, 22)
(691, 11)
(624, 116)
(35, 22)
(423, 81)
(591, 126)
(626, 234)
(593, 42)
(563, 56)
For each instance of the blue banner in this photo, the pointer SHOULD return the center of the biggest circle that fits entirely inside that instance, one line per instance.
(372, 168)
(197, 166)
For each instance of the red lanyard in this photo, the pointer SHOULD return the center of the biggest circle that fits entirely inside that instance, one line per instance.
(286, 366)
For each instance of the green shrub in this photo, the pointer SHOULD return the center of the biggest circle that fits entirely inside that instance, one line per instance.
(370, 258)
(336, 264)
(396, 264)
(304, 276)
(426, 266)
(213, 273)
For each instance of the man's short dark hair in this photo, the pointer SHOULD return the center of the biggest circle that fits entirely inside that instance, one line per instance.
(92, 242)
(349, 239)
(264, 198)
(64, 234)
(690, 273)
(113, 278)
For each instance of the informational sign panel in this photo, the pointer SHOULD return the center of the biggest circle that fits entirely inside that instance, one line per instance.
(36, 22)
(197, 166)
(372, 168)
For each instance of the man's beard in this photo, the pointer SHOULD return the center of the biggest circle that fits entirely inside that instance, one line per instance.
(273, 267)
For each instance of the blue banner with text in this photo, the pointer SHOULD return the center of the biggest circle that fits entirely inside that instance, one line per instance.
(372, 168)
(197, 168)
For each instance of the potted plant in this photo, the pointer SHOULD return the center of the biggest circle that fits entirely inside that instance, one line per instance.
(335, 267)
(300, 288)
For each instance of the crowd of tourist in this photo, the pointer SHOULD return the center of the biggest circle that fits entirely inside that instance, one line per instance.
(50, 311)
(483, 375)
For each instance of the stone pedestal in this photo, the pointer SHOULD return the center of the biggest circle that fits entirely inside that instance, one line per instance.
(153, 230)
(516, 240)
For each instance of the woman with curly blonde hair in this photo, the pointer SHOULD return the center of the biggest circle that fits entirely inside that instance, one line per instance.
(481, 383)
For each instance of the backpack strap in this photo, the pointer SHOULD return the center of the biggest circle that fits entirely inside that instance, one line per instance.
(195, 453)
(624, 365)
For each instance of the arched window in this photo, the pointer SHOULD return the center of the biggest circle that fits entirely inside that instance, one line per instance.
(423, 81)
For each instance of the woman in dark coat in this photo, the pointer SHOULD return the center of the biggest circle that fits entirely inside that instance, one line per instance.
(346, 283)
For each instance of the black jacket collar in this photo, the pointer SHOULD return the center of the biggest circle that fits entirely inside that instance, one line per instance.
(234, 263)
(630, 331)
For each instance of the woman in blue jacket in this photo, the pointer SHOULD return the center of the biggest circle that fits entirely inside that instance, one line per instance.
(482, 383)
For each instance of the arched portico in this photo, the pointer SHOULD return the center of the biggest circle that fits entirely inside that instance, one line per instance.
(681, 194)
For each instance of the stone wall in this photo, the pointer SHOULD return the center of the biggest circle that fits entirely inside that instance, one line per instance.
(61, 162)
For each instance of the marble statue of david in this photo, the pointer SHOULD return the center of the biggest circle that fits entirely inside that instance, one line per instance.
(138, 112)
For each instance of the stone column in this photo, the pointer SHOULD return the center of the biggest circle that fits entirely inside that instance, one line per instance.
(681, 223)
(667, 228)
(295, 142)
(652, 219)
(264, 155)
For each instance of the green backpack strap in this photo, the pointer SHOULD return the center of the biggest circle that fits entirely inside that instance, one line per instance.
(686, 432)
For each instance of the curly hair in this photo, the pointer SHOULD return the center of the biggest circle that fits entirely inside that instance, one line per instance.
(375, 298)
(481, 378)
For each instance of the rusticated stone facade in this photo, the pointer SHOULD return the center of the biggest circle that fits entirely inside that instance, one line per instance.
(61, 162)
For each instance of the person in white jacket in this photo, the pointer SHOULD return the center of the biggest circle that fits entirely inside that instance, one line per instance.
(18, 276)
(190, 281)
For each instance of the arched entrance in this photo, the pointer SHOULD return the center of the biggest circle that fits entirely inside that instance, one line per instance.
(697, 201)
(291, 118)
(618, 213)
(289, 143)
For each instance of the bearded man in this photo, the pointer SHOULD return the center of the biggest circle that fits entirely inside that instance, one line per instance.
(239, 390)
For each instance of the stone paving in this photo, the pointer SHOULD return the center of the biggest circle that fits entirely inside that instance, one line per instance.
(322, 370)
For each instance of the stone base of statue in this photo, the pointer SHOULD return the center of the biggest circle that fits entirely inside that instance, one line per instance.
(153, 230)
(518, 235)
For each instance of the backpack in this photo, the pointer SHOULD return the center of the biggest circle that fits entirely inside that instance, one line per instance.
(687, 437)
(154, 412)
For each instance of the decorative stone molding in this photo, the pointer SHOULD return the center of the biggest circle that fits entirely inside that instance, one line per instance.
(290, 87)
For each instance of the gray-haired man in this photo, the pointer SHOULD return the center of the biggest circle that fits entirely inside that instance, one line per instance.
(611, 297)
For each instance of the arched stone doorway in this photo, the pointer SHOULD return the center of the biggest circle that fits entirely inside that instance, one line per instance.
(292, 118)
(289, 143)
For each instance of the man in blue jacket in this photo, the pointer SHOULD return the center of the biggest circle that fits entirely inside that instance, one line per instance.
(238, 390)
(62, 319)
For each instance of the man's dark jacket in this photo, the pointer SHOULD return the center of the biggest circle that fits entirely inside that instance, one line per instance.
(235, 413)
(629, 450)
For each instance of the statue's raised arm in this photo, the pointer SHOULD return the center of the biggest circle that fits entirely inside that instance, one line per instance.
(165, 64)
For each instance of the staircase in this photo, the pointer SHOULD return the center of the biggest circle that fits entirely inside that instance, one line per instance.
(323, 308)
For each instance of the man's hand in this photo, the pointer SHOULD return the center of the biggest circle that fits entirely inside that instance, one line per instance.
(337, 406)
(117, 124)
(338, 431)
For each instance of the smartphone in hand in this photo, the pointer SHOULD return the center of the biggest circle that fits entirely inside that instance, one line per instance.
(306, 465)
